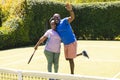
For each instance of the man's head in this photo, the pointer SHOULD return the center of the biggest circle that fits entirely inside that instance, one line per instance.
(56, 17)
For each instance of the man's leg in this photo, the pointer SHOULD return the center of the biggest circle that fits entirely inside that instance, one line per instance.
(70, 54)
(71, 61)
(79, 54)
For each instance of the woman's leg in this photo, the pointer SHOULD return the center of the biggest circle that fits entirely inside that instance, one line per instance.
(56, 62)
(49, 57)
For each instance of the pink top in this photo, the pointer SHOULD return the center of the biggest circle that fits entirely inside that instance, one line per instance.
(53, 43)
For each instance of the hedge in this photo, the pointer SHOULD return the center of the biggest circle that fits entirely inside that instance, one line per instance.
(98, 21)
(0, 16)
(38, 15)
(13, 32)
(93, 21)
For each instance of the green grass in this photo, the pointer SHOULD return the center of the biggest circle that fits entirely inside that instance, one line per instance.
(104, 59)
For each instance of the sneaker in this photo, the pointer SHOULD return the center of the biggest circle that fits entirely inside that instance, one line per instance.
(84, 53)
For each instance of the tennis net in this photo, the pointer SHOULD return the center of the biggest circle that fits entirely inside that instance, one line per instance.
(12, 74)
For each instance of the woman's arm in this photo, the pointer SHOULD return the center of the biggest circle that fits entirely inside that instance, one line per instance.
(41, 40)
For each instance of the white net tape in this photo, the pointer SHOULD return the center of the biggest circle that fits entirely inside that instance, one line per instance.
(10, 74)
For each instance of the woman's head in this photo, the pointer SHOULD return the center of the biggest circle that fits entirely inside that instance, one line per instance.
(53, 24)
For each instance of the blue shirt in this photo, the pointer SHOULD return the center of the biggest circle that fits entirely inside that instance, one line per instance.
(65, 32)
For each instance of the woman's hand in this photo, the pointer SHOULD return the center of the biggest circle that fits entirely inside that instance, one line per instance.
(35, 47)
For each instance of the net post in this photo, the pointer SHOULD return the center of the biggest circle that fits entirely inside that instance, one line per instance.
(19, 75)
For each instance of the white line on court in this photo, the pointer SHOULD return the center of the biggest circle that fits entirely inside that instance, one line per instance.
(103, 60)
(92, 60)
(11, 56)
(20, 61)
(13, 63)
(115, 76)
(102, 46)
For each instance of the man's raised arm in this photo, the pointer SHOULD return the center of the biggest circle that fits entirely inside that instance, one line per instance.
(72, 15)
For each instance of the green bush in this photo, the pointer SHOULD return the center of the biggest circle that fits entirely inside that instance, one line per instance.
(0, 16)
(13, 32)
(97, 21)
(38, 15)
(15, 36)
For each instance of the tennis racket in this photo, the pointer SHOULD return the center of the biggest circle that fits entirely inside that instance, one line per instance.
(31, 57)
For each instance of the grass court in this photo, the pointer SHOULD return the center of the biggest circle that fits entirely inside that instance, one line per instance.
(104, 59)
